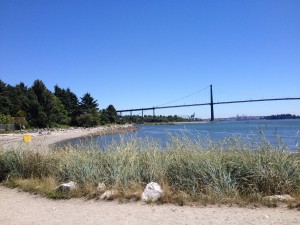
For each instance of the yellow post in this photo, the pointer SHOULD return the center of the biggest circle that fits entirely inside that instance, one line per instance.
(27, 138)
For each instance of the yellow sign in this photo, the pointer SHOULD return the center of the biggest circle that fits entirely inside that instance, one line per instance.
(27, 138)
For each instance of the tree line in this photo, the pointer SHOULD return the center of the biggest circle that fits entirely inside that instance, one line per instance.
(281, 116)
(38, 107)
(137, 119)
(41, 108)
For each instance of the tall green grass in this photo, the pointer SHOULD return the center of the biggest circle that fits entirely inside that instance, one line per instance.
(228, 168)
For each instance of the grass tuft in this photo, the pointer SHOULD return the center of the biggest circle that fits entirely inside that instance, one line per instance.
(228, 171)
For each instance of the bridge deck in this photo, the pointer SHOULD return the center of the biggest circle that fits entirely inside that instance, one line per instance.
(202, 104)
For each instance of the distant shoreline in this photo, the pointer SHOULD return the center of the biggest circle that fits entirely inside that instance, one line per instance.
(206, 121)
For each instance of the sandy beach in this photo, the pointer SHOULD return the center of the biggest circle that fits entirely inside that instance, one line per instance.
(24, 208)
(47, 137)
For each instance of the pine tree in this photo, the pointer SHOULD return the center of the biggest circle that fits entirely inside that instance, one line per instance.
(70, 102)
(88, 104)
(5, 102)
(112, 114)
(49, 109)
(89, 112)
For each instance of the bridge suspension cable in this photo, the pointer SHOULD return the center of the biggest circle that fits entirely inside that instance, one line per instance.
(182, 98)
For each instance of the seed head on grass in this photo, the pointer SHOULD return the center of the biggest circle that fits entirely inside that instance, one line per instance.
(230, 170)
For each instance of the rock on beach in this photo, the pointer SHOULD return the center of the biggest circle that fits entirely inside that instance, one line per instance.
(152, 192)
(279, 198)
(67, 186)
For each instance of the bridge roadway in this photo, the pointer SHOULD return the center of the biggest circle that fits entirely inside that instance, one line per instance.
(202, 104)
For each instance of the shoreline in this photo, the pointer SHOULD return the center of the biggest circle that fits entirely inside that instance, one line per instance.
(49, 137)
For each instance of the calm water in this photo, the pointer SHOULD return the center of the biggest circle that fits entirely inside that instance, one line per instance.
(289, 130)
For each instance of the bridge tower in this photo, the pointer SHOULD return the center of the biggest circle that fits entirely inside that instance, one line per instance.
(212, 117)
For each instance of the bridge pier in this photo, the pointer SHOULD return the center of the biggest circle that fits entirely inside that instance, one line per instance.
(143, 113)
(153, 112)
(212, 116)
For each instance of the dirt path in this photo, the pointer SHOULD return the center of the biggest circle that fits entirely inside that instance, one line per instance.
(23, 208)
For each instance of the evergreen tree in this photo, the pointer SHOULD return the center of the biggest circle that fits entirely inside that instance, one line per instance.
(88, 104)
(104, 117)
(49, 109)
(89, 114)
(5, 102)
(70, 102)
(34, 113)
(112, 114)
(21, 92)
(58, 115)
(17, 96)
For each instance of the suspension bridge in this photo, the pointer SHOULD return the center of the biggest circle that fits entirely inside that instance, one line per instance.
(211, 103)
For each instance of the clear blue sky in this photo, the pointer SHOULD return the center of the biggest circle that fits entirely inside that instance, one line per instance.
(145, 53)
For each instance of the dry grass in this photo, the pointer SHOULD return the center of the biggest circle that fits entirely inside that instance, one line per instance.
(43, 186)
(231, 171)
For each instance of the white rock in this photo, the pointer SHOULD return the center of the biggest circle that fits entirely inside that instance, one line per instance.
(109, 195)
(152, 192)
(280, 198)
(101, 188)
(67, 186)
